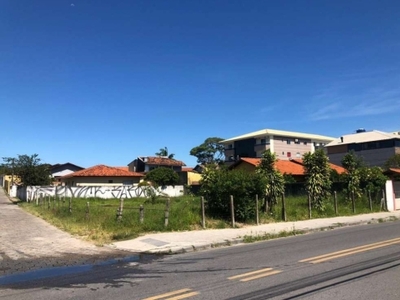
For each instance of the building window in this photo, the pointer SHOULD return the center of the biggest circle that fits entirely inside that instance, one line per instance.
(283, 153)
(110, 181)
(230, 146)
(305, 143)
(289, 154)
(288, 142)
(298, 154)
(296, 141)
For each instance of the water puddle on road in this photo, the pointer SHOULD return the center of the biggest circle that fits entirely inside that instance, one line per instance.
(60, 271)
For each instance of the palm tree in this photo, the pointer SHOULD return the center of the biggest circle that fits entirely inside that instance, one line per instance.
(274, 181)
(164, 152)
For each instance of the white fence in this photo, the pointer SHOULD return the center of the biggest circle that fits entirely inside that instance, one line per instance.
(31, 193)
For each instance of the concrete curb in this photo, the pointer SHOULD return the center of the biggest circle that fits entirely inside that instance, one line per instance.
(240, 240)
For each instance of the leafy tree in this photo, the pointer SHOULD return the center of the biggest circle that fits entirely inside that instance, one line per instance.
(335, 176)
(164, 152)
(353, 163)
(209, 152)
(273, 179)
(8, 167)
(29, 169)
(393, 162)
(162, 176)
(372, 180)
(318, 182)
(289, 178)
(218, 184)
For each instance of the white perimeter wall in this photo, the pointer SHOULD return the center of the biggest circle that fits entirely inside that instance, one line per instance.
(106, 192)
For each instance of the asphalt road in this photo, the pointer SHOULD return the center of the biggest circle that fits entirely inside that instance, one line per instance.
(360, 262)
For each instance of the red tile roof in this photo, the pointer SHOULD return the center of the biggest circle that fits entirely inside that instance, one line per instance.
(337, 168)
(293, 166)
(289, 167)
(162, 161)
(252, 161)
(123, 168)
(395, 170)
(187, 170)
(103, 171)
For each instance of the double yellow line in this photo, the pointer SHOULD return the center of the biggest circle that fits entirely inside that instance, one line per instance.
(255, 274)
(175, 295)
(186, 293)
(350, 251)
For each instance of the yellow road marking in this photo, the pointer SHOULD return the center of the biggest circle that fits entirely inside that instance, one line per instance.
(183, 296)
(260, 275)
(255, 274)
(250, 273)
(350, 251)
(168, 294)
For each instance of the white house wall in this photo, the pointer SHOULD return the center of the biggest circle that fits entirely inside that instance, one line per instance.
(31, 193)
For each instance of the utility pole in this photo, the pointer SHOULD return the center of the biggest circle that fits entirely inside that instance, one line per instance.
(12, 171)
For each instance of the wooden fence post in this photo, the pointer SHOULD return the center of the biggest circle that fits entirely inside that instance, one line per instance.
(120, 209)
(232, 212)
(166, 213)
(353, 202)
(70, 204)
(87, 211)
(141, 214)
(48, 202)
(370, 200)
(309, 205)
(257, 213)
(335, 202)
(203, 213)
(283, 208)
(40, 199)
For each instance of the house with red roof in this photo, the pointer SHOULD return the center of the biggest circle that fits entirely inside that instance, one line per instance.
(148, 163)
(187, 176)
(293, 167)
(101, 175)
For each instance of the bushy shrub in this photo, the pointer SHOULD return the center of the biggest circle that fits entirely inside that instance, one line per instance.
(162, 176)
(219, 184)
(373, 180)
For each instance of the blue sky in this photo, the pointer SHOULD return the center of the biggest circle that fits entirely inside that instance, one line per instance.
(93, 82)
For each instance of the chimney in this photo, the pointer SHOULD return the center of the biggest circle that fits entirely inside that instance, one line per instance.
(341, 139)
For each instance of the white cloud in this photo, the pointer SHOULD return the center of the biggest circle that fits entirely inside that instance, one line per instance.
(350, 99)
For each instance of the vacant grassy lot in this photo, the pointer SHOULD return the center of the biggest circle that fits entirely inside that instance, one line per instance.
(101, 225)
(98, 220)
(297, 209)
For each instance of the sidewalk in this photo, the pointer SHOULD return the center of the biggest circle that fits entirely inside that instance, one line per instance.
(179, 242)
(29, 243)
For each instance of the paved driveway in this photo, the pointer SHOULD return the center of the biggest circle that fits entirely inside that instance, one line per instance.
(28, 242)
